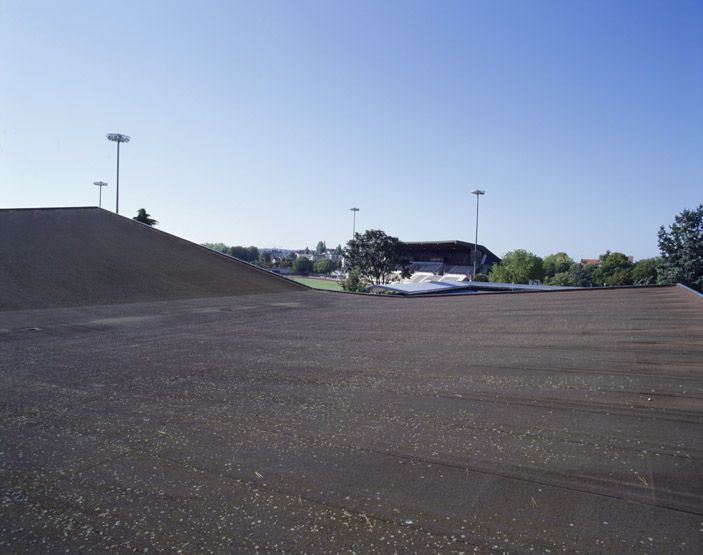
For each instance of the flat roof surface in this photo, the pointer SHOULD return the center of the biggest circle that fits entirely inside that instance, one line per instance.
(311, 422)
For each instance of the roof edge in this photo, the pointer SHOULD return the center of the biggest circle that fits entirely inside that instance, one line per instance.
(55, 208)
(690, 290)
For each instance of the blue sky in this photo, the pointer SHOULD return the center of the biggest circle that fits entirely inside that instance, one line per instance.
(264, 122)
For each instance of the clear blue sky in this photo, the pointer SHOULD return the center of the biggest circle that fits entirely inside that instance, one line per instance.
(264, 122)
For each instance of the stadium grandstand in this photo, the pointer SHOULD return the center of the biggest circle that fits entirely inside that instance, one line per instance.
(449, 257)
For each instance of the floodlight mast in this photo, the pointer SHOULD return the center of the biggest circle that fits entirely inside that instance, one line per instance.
(478, 193)
(355, 210)
(100, 184)
(118, 138)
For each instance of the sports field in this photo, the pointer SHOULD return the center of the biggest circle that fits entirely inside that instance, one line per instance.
(317, 283)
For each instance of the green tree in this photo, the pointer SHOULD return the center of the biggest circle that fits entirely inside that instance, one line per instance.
(374, 257)
(682, 250)
(581, 275)
(557, 263)
(321, 248)
(354, 283)
(615, 269)
(264, 259)
(324, 266)
(144, 218)
(248, 254)
(219, 247)
(644, 272)
(302, 265)
(518, 266)
(561, 278)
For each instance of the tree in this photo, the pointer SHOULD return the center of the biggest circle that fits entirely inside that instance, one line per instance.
(644, 272)
(374, 257)
(219, 247)
(581, 275)
(557, 264)
(324, 266)
(682, 250)
(248, 254)
(264, 259)
(561, 278)
(144, 218)
(615, 269)
(321, 248)
(518, 266)
(302, 265)
(354, 283)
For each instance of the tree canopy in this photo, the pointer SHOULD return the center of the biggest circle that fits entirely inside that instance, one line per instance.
(681, 249)
(248, 254)
(615, 269)
(144, 217)
(219, 247)
(557, 263)
(518, 266)
(374, 257)
(324, 266)
(302, 265)
(644, 272)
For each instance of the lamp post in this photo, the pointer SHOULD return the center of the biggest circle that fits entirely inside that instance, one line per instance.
(355, 210)
(478, 193)
(118, 138)
(100, 184)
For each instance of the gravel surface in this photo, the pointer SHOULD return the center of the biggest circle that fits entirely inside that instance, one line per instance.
(313, 422)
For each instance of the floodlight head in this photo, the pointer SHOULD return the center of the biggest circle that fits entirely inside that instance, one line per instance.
(354, 209)
(478, 192)
(100, 183)
(117, 137)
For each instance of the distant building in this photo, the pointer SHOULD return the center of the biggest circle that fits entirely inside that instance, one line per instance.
(590, 261)
(449, 257)
(598, 261)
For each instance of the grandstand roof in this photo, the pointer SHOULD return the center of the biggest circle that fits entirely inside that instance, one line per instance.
(462, 246)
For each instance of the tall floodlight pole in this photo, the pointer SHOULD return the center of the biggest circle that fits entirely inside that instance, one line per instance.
(355, 210)
(478, 193)
(100, 184)
(118, 138)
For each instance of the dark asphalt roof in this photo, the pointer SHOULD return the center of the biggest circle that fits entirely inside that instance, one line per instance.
(312, 422)
(82, 256)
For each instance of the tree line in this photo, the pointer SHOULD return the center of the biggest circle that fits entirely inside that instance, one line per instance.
(680, 261)
(299, 264)
(612, 268)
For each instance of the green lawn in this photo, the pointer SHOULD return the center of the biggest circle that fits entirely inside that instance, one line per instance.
(319, 283)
